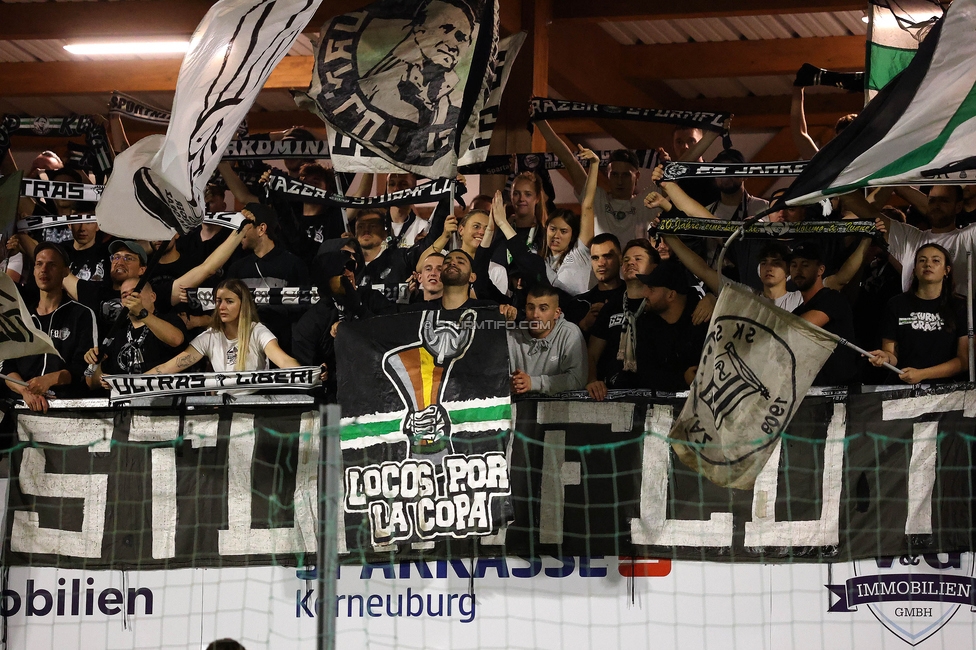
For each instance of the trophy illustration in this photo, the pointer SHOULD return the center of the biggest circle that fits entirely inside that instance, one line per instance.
(420, 372)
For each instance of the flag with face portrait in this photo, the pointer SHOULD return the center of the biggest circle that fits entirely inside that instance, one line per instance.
(403, 80)
(156, 188)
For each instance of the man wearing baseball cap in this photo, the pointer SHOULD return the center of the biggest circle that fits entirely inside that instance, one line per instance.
(669, 345)
(824, 308)
(71, 327)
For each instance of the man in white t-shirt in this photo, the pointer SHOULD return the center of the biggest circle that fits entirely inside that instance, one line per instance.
(618, 211)
(944, 203)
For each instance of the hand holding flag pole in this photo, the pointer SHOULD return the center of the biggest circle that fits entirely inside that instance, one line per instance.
(19, 382)
(842, 341)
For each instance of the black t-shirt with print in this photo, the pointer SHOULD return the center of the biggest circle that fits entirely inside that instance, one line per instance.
(608, 327)
(102, 299)
(923, 336)
(841, 367)
(91, 263)
(137, 349)
(577, 308)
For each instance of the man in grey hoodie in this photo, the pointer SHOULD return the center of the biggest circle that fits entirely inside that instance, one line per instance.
(550, 355)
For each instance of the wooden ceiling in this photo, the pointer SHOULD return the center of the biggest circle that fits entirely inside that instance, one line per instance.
(571, 53)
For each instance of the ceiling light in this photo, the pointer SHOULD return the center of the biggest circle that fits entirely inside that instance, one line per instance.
(132, 47)
(864, 18)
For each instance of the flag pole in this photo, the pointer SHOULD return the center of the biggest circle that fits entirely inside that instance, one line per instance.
(839, 340)
(969, 314)
(13, 381)
(19, 382)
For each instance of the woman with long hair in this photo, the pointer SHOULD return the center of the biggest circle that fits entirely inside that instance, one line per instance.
(235, 341)
(566, 253)
(924, 329)
(565, 246)
(531, 215)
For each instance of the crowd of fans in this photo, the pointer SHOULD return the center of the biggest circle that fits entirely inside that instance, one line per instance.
(599, 300)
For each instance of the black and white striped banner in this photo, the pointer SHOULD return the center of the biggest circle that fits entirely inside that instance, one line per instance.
(232, 220)
(202, 298)
(122, 104)
(528, 162)
(677, 170)
(425, 193)
(127, 387)
(62, 127)
(41, 189)
(543, 108)
(721, 228)
(253, 149)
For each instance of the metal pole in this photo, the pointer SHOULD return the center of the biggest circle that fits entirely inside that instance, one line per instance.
(842, 341)
(721, 254)
(330, 487)
(969, 314)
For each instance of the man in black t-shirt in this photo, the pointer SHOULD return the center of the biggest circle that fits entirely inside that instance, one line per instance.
(148, 340)
(584, 309)
(604, 369)
(824, 308)
(669, 345)
(129, 261)
(270, 266)
(89, 252)
(71, 327)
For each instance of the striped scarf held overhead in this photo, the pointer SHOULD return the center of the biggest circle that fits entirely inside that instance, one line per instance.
(627, 352)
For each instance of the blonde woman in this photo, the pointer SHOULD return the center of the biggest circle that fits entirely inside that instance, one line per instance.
(235, 341)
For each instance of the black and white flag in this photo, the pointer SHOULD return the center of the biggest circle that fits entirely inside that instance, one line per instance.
(18, 336)
(157, 187)
(405, 79)
(757, 364)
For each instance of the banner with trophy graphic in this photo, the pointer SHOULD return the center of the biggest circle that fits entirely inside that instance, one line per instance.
(426, 407)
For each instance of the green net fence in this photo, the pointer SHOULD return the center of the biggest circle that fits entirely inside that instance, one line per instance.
(174, 526)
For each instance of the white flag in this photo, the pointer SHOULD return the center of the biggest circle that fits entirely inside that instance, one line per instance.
(757, 364)
(18, 336)
(156, 188)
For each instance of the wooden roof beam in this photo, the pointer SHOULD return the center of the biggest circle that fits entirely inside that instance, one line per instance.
(630, 10)
(147, 18)
(94, 77)
(742, 58)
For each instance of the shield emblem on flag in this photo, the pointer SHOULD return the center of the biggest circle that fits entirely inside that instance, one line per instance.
(914, 620)
(757, 363)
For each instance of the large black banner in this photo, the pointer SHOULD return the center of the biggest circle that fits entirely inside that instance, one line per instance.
(426, 413)
(858, 476)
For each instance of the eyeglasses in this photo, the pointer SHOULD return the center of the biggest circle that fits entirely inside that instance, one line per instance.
(119, 257)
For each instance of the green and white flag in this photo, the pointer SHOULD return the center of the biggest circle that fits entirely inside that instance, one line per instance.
(894, 33)
(920, 129)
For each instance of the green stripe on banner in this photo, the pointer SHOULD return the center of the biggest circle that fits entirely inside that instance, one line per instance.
(885, 63)
(924, 154)
(460, 416)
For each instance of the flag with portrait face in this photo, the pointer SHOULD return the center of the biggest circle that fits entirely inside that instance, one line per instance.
(403, 81)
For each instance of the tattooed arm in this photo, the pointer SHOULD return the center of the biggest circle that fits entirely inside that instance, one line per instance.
(178, 363)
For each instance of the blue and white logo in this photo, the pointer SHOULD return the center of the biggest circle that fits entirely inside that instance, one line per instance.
(913, 596)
